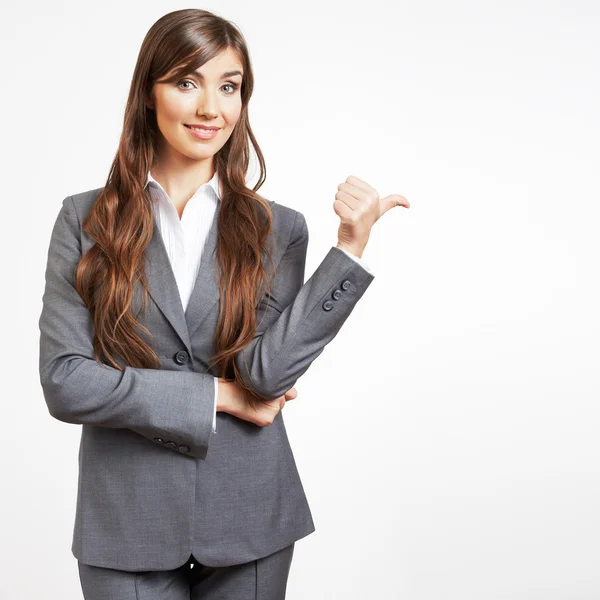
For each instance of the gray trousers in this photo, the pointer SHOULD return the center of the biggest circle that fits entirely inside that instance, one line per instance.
(261, 579)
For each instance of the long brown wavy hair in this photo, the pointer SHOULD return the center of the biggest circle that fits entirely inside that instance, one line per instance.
(121, 219)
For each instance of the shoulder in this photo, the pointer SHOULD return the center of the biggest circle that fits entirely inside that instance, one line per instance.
(72, 214)
(77, 206)
(289, 225)
(83, 202)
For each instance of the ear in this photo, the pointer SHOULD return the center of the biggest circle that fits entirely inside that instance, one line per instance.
(149, 100)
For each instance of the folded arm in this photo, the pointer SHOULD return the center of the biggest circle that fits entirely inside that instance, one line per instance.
(159, 404)
(297, 320)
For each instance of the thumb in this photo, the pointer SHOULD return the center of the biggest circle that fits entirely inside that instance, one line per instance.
(391, 201)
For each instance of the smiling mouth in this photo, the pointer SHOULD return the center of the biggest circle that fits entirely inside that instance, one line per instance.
(199, 133)
(201, 127)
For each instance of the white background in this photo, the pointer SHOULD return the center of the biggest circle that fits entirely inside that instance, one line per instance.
(447, 438)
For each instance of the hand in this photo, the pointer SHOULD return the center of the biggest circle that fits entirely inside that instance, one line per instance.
(250, 407)
(358, 205)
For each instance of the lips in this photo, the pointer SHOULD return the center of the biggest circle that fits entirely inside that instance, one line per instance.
(203, 127)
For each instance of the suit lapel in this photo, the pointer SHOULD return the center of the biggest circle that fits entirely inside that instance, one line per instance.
(162, 285)
(205, 292)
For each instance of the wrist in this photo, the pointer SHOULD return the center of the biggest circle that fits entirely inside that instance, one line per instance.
(352, 249)
(223, 394)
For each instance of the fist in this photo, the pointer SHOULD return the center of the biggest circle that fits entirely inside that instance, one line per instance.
(359, 206)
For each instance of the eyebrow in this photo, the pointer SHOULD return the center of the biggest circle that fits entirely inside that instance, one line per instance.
(224, 76)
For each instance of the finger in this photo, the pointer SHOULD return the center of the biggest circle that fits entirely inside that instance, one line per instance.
(355, 192)
(342, 210)
(348, 199)
(359, 183)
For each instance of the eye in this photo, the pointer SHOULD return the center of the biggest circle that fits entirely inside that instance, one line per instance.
(234, 86)
(183, 81)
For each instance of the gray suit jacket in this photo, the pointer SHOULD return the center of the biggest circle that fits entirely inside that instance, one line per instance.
(155, 483)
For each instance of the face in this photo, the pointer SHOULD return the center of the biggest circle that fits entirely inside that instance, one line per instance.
(210, 96)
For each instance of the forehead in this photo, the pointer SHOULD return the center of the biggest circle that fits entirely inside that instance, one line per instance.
(221, 65)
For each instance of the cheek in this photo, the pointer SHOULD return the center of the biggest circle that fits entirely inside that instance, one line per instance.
(174, 109)
(174, 113)
(232, 116)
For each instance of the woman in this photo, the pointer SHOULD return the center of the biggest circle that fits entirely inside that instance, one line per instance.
(168, 335)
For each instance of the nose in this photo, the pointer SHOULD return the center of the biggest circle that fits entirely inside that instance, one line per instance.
(207, 105)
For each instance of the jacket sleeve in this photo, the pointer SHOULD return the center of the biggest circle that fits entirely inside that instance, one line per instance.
(297, 320)
(159, 404)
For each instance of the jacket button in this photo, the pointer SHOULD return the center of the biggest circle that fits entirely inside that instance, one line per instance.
(346, 284)
(171, 445)
(159, 440)
(336, 294)
(327, 305)
(181, 357)
(184, 448)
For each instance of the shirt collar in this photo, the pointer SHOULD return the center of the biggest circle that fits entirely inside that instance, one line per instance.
(213, 183)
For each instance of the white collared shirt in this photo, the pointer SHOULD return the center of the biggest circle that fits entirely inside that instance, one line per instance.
(184, 238)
